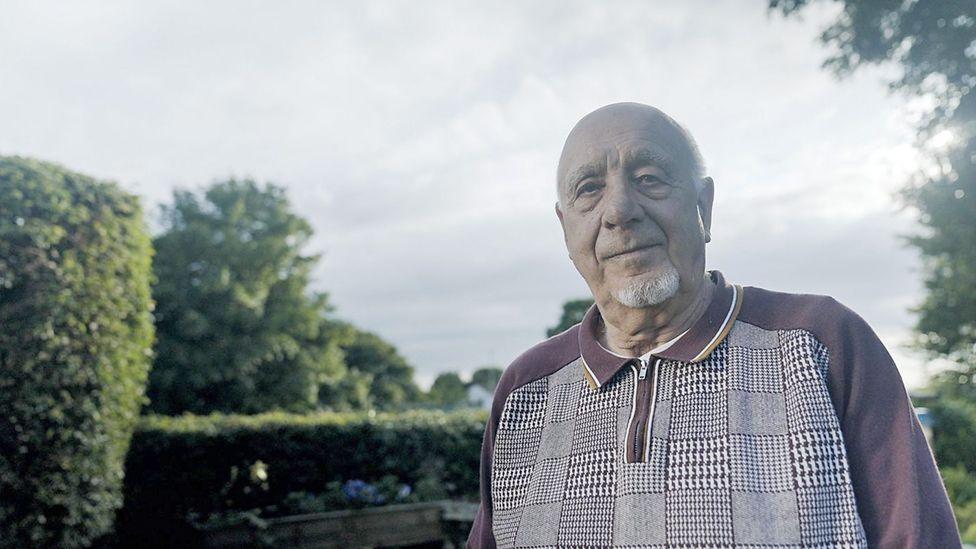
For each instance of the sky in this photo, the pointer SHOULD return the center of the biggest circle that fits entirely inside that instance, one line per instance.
(420, 139)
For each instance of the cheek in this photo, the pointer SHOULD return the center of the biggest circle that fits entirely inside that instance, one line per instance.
(685, 238)
(581, 241)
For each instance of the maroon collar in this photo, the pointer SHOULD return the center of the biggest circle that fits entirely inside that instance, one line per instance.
(696, 344)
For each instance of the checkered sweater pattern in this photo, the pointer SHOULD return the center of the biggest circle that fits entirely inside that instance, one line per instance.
(746, 451)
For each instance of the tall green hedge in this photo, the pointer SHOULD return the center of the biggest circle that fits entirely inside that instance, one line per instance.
(178, 465)
(75, 344)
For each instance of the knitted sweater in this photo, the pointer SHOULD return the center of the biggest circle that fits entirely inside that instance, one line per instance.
(776, 421)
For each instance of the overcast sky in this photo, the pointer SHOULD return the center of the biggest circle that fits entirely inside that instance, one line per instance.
(420, 139)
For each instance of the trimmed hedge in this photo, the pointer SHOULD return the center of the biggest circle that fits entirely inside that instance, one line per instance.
(208, 464)
(75, 344)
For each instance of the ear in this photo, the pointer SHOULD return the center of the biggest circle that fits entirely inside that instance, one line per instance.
(562, 225)
(706, 195)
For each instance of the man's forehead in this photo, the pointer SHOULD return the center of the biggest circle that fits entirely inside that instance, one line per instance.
(621, 149)
(615, 152)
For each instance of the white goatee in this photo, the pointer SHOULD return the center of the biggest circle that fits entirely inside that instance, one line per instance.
(650, 290)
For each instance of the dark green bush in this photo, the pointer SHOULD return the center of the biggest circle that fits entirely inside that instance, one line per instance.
(961, 486)
(954, 442)
(75, 344)
(206, 464)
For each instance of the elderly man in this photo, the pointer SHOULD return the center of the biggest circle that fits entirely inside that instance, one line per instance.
(687, 411)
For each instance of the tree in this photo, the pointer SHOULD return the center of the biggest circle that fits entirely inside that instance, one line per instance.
(573, 312)
(75, 344)
(349, 392)
(947, 316)
(238, 329)
(487, 377)
(933, 42)
(392, 385)
(448, 391)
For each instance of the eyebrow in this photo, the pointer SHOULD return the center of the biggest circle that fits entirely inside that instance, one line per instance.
(582, 172)
(639, 157)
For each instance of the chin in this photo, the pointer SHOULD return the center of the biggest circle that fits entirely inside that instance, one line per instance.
(650, 289)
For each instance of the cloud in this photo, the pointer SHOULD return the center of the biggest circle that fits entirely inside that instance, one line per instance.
(420, 139)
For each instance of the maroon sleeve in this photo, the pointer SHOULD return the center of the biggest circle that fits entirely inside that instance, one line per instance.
(481, 536)
(900, 496)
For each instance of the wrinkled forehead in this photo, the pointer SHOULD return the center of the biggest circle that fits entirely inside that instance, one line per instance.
(606, 139)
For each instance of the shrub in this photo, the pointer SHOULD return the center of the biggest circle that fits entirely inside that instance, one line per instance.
(200, 465)
(961, 486)
(75, 340)
(954, 442)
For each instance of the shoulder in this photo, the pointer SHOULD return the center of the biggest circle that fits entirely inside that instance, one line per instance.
(537, 362)
(860, 367)
(822, 315)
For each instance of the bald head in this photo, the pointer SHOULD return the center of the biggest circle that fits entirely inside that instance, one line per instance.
(635, 209)
(606, 125)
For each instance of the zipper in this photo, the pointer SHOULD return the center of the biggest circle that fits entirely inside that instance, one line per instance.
(638, 443)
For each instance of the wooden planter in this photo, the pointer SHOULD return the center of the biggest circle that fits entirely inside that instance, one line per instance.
(403, 524)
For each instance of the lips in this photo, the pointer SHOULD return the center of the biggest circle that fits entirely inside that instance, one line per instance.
(630, 250)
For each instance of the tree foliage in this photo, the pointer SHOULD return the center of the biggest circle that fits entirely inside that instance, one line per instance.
(573, 312)
(487, 377)
(448, 391)
(238, 328)
(391, 385)
(75, 344)
(947, 316)
(933, 43)
(930, 41)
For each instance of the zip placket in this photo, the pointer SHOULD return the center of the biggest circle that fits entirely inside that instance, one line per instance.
(638, 443)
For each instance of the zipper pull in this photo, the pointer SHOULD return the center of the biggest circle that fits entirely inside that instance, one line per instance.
(643, 370)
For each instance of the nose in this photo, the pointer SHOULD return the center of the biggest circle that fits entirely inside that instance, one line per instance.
(620, 210)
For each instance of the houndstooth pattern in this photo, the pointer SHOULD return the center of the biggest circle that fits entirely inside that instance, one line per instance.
(698, 464)
(516, 449)
(710, 471)
(586, 523)
(594, 429)
(548, 481)
(818, 458)
(591, 475)
(562, 401)
(755, 370)
(666, 379)
(644, 477)
(760, 463)
(505, 525)
(707, 376)
(805, 366)
(699, 415)
(697, 518)
(828, 517)
(520, 426)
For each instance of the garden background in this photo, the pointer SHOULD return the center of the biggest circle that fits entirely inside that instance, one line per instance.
(325, 335)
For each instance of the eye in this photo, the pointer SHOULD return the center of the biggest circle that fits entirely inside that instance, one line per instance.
(587, 189)
(652, 185)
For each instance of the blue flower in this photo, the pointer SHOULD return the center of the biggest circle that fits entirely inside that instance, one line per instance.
(354, 489)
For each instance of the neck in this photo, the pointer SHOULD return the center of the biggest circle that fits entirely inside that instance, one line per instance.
(633, 332)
